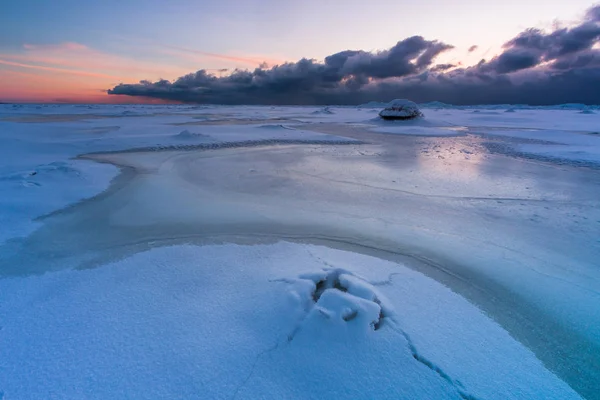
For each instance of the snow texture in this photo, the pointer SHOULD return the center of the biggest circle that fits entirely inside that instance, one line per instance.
(278, 321)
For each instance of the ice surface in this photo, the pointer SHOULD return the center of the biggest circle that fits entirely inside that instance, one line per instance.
(417, 130)
(562, 145)
(230, 321)
(502, 207)
(38, 175)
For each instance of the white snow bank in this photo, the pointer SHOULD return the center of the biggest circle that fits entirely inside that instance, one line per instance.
(277, 321)
(41, 189)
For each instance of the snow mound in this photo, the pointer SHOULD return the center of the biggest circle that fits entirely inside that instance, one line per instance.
(401, 109)
(571, 106)
(323, 111)
(339, 300)
(186, 135)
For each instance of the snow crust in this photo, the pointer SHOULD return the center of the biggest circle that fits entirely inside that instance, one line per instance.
(231, 321)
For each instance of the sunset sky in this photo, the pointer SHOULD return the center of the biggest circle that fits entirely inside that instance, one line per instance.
(74, 51)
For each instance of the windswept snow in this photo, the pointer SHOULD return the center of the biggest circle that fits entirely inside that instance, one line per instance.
(246, 322)
(582, 146)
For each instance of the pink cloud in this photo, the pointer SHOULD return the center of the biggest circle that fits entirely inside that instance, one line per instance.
(197, 56)
(67, 46)
(253, 61)
(60, 70)
(80, 57)
(70, 70)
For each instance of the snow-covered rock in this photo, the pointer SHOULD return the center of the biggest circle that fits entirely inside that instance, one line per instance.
(401, 109)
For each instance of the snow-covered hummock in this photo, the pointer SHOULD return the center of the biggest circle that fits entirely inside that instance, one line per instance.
(401, 109)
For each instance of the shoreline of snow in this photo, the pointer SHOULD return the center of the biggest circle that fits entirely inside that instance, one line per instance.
(44, 188)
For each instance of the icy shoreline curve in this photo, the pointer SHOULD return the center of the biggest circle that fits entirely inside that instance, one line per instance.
(168, 197)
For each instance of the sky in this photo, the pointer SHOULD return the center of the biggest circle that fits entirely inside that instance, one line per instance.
(79, 51)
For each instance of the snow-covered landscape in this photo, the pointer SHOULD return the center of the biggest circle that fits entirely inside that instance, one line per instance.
(244, 252)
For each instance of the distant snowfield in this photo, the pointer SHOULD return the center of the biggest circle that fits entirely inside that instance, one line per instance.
(125, 295)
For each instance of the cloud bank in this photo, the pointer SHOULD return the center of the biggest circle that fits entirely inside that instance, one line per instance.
(535, 67)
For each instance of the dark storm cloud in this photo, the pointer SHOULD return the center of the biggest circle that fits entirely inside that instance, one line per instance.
(304, 81)
(441, 67)
(512, 60)
(540, 88)
(585, 59)
(593, 14)
(558, 43)
(408, 56)
(534, 67)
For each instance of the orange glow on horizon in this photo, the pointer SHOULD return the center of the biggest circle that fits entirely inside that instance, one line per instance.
(27, 87)
(75, 73)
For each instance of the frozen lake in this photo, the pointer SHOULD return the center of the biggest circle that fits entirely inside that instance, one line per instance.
(244, 252)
